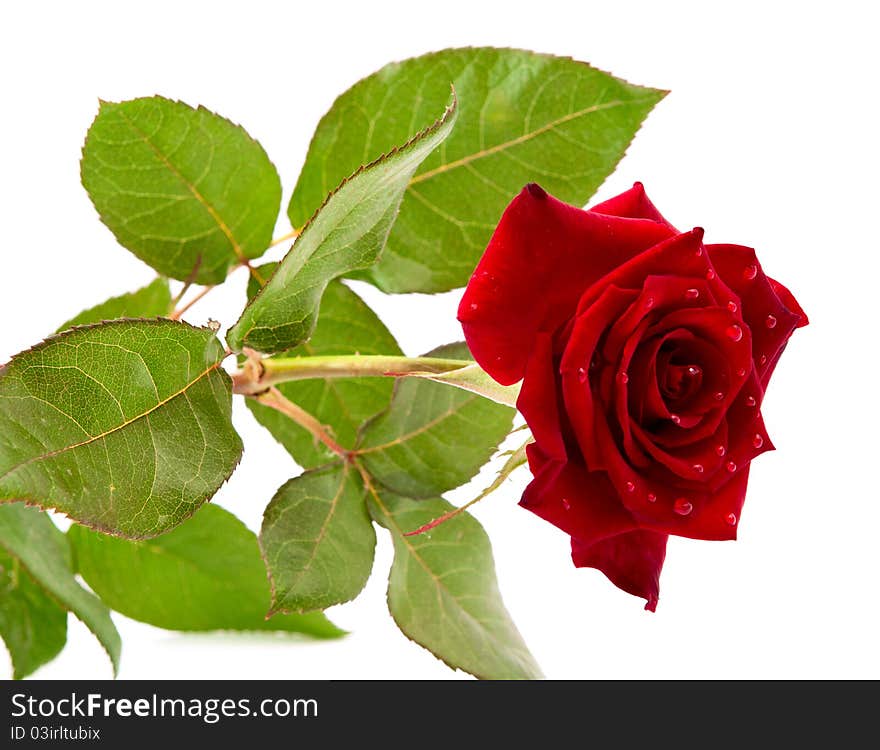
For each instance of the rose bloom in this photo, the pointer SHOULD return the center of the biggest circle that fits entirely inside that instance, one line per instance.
(644, 356)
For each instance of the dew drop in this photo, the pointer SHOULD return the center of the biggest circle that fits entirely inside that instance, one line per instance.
(720, 450)
(698, 468)
(757, 441)
(719, 396)
(750, 272)
(630, 487)
(474, 305)
(762, 360)
(731, 466)
(682, 506)
(649, 303)
(699, 251)
(750, 401)
(675, 419)
(732, 306)
(623, 377)
(566, 504)
(693, 371)
(582, 375)
(734, 332)
(741, 372)
(770, 321)
(652, 498)
(731, 519)
(710, 274)
(692, 294)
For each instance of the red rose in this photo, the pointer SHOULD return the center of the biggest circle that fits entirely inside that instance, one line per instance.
(644, 356)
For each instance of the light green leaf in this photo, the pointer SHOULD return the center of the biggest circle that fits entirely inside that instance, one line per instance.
(180, 187)
(345, 326)
(475, 379)
(41, 549)
(123, 426)
(317, 540)
(443, 594)
(525, 117)
(432, 438)
(32, 624)
(348, 232)
(206, 574)
(151, 301)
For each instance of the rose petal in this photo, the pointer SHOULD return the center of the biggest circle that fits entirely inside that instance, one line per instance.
(574, 369)
(542, 256)
(538, 399)
(580, 502)
(632, 204)
(770, 319)
(682, 253)
(631, 561)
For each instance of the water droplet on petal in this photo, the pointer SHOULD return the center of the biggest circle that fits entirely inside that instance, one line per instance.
(649, 303)
(675, 418)
(474, 305)
(630, 487)
(699, 251)
(731, 519)
(762, 360)
(719, 396)
(693, 371)
(652, 498)
(741, 372)
(734, 332)
(750, 401)
(682, 506)
(582, 375)
(566, 504)
(731, 466)
(770, 321)
(623, 377)
(710, 274)
(750, 272)
(732, 306)
(757, 441)
(720, 450)
(692, 294)
(698, 468)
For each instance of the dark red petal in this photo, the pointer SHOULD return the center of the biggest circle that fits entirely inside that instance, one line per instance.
(542, 256)
(538, 399)
(580, 502)
(632, 204)
(760, 303)
(789, 301)
(577, 385)
(632, 561)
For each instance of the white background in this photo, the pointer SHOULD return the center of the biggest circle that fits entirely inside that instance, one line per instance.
(769, 138)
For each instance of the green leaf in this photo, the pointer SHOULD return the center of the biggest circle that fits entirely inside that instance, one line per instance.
(41, 549)
(345, 326)
(151, 301)
(443, 594)
(432, 438)
(317, 540)
(180, 187)
(525, 117)
(206, 574)
(347, 233)
(123, 426)
(32, 625)
(475, 379)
